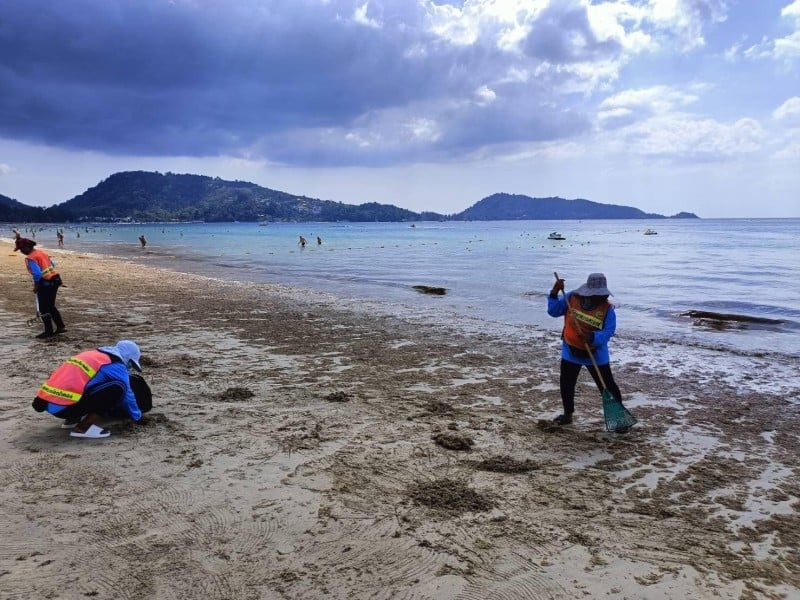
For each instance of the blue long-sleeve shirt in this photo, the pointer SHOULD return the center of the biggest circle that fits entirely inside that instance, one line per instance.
(557, 307)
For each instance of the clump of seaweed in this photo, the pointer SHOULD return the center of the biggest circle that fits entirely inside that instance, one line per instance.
(449, 495)
(236, 394)
(454, 441)
(126, 426)
(506, 464)
(338, 397)
(439, 407)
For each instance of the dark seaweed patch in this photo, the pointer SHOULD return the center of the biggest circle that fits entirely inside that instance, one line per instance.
(450, 495)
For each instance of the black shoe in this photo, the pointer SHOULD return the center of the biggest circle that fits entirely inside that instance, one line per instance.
(61, 330)
(564, 419)
(44, 335)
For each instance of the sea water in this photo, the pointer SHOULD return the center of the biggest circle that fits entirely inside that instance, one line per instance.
(498, 273)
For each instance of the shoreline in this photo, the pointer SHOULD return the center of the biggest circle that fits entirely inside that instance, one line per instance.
(384, 264)
(293, 439)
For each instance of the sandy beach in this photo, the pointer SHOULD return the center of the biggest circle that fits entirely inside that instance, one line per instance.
(297, 450)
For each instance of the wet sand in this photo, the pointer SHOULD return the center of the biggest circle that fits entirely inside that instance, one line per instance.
(298, 450)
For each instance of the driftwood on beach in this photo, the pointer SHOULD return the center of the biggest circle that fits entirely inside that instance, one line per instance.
(427, 289)
(715, 316)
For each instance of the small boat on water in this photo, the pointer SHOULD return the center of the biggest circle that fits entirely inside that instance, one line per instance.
(649, 231)
(555, 236)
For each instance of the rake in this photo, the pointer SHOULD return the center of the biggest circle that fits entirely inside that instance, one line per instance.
(34, 320)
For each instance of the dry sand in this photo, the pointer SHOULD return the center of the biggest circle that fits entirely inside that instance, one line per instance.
(300, 451)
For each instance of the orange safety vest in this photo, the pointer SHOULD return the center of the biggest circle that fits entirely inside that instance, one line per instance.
(66, 384)
(577, 320)
(44, 262)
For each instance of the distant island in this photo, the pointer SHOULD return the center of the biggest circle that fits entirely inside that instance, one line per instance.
(515, 207)
(144, 196)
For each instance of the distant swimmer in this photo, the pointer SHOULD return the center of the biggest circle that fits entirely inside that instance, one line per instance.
(302, 242)
(319, 241)
(142, 241)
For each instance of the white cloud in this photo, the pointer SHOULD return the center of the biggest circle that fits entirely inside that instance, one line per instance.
(685, 138)
(762, 50)
(788, 48)
(616, 113)
(452, 24)
(732, 54)
(4, 169)
(424, 130)
(789, 110)
(357, 140)
(785, 49)
(362, 18)
(792, 11)
(656, 99)
(485, 95)
(788, 141)
(686, 19)
(789, 152)
(620, 22)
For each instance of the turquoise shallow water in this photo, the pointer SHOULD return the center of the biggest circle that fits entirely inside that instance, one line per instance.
(498, 273)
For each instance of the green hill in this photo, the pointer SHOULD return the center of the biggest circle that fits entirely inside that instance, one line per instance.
(12, 211)
(498, 207)
(146, 196)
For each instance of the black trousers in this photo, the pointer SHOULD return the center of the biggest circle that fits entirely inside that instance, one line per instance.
(46, 295)
(105, 402)
(569, 377)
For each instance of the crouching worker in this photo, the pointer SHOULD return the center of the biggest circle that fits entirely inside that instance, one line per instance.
(96, 383)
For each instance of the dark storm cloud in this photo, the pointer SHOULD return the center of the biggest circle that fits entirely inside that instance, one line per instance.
(126, 75)
(263, 79)
(562, 34)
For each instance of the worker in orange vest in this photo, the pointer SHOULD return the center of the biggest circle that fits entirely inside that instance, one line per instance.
(46, 282)
(96, 383)
(589, 323)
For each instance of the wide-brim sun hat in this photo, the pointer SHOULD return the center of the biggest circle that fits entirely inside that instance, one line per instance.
(596, 285)
(127, 351)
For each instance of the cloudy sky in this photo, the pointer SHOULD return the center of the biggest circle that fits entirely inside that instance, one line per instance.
(665, 105)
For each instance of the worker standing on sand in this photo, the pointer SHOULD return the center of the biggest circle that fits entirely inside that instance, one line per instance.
(46, 282)
(590, 319)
